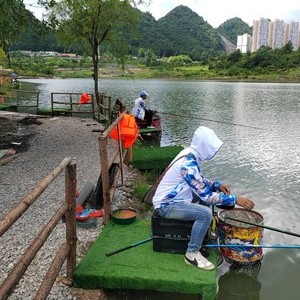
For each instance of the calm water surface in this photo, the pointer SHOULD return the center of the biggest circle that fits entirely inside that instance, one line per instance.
(263, 164)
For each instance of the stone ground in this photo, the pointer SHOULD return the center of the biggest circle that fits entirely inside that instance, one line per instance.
(19, 132)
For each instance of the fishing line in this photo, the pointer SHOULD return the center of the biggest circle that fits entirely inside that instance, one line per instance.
(251, 246)
(210, 120)
(262, 226)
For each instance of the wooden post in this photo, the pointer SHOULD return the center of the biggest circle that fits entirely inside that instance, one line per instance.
(128, 158)
(105, 165)
(120, 151)
(93, 106)
(70, 192)
(109, 110)
(52, 105)
(37, 102)
(17, 100)
(105, 177)
(71, 104)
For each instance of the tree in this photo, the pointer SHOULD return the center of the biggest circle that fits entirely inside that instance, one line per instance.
(92, 23)
(13, 22)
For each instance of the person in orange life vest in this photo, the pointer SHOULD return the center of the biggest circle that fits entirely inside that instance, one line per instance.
(143, 115)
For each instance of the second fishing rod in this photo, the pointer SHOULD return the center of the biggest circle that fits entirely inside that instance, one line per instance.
(207, 119)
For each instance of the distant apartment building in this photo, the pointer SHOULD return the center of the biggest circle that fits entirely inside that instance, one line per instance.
(260, 34)
(292, 33)
(276, 34)
(244, 42)
(273, 34)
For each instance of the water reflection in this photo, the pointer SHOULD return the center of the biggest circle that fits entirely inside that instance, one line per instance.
(280, 274)
(240, 283)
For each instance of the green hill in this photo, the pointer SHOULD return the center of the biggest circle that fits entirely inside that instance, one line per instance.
(181, 31)
(187, 33)
(232, 28)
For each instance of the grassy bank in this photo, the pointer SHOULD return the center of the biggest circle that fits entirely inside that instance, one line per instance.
(74, 68)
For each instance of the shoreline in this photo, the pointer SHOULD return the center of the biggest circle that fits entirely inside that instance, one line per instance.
(216, 79)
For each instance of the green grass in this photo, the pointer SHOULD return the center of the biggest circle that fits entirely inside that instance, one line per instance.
(140, 189)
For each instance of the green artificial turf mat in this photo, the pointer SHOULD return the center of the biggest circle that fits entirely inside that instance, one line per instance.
(140, 268)
(147, 158)
(149, 130)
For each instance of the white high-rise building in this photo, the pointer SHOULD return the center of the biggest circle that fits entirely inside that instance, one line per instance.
(244, 43)
(274, 34)
(260, 34)
(291, 33)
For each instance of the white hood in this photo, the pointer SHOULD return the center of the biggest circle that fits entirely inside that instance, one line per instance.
(205, 143)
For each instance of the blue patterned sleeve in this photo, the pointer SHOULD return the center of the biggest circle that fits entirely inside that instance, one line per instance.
(143, 105)
(201, 186)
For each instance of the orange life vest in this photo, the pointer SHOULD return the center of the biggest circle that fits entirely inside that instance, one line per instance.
(128, 131)
(85, 98)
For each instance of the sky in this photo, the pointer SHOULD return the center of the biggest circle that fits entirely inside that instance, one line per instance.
(216, 12)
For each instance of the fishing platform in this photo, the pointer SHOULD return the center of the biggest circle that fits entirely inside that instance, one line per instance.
(140, 267)
(150, 131)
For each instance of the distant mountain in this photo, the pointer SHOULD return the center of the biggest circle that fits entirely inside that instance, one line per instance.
(181, 31)
(232, 28)
(187, 33)
(150, 35)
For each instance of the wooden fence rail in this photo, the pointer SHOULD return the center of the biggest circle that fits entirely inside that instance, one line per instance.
(68, 104)
(123, 156)
(20, 100)
(67, 249)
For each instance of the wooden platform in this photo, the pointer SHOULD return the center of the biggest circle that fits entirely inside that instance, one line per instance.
(140, 268)
(158, 158)
(8, 107)
(150, 131)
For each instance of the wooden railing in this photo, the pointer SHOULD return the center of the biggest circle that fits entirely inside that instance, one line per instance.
(67, 250)
(120, 154)
(68, 104)
(21, 100)
(104, 108)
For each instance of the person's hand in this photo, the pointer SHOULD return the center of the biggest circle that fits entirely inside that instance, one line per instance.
(245, 202)
(224, 188)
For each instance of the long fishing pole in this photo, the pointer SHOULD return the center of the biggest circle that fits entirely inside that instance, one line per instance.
(210, 120)
(262, 226)
(251, 246)
(208, 246)
(128, 247)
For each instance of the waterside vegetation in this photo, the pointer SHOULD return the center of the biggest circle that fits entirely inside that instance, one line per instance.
(279, 65)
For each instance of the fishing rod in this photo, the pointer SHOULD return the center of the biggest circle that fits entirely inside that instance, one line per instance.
(251, 246)
(210, 120)
(128, 247)
(262, 226)
(209, 246)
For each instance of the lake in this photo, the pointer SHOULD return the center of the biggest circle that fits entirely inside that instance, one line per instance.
(262, 163)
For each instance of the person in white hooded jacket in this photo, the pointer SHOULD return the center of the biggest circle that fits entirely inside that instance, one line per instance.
(174, 194)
